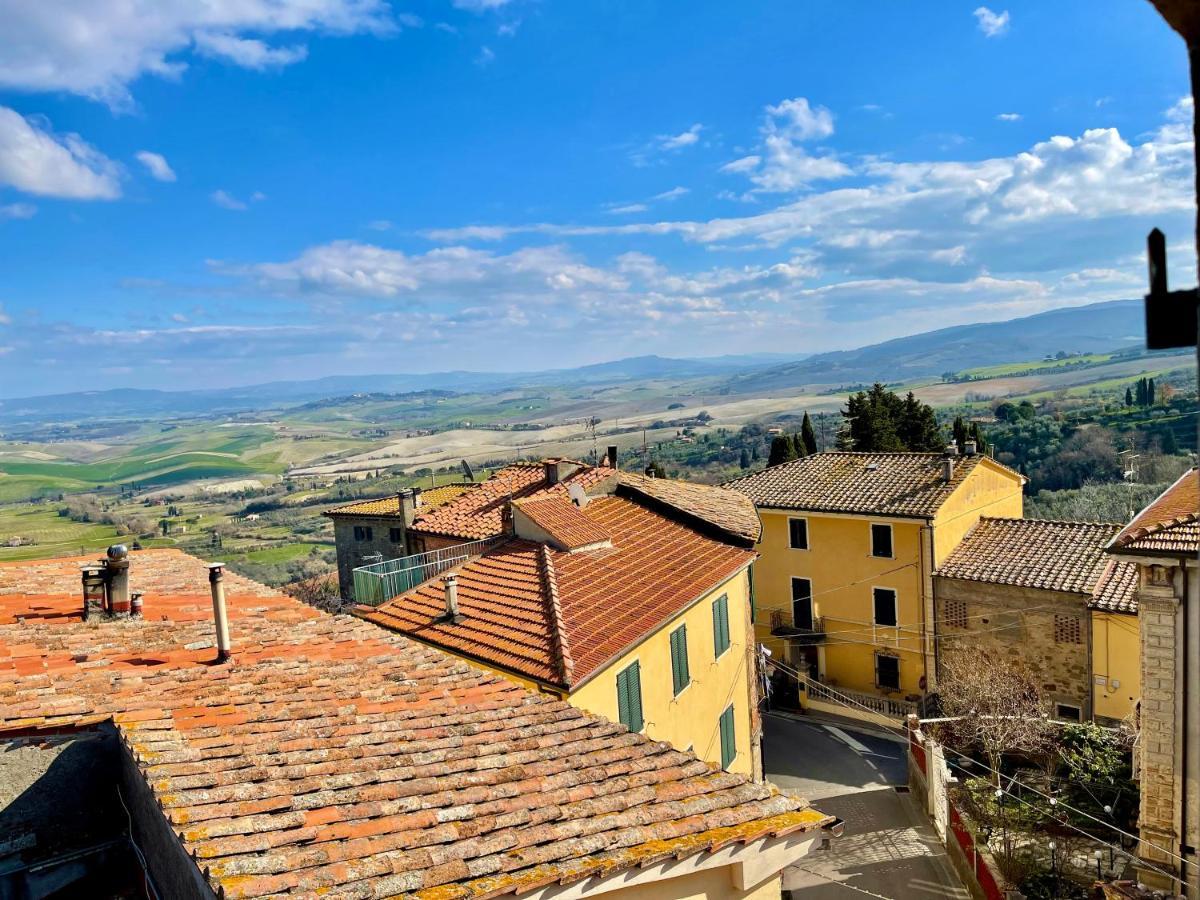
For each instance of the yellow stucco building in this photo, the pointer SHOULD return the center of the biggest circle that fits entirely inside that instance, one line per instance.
(849, 545)
(632, 602)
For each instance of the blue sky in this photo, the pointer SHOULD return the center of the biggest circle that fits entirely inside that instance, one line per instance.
(213, 194)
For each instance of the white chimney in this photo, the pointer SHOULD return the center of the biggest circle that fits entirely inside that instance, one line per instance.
(451, 583)
(968, 448)
(216, 575)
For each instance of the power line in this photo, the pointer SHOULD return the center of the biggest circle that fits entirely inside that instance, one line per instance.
(849, 887)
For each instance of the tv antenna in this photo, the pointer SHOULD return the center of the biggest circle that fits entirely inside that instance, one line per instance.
(1129, 473)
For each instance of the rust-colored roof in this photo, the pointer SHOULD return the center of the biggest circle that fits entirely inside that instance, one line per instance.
(563, 521)
(480, 513)
(728, 510)
(332, 757)
(389, 506)
(1169, 526)
(607, 599)
(1052, 556)
(882, 484)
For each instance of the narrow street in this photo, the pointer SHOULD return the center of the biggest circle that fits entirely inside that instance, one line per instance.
(888, 849)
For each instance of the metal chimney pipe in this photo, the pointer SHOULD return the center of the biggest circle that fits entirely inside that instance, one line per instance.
(216, 582)
(116, 566)
(451, 583)
(93, 589)
(947, 469)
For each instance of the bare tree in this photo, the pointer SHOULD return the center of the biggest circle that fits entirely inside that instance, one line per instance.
(996, 702)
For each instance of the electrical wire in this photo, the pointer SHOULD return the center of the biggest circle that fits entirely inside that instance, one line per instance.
(849, 887)
(146, 880)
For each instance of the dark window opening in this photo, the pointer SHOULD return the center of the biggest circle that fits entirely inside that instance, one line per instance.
(881, 541)
(798, 534)
(885, 607)
(802, 607)
(887, 672)
(363, 533)
(396, 535)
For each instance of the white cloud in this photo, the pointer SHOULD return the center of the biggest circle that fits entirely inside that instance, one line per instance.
(681, 140)
(782, 164)
(380, 225)
(1009, 117)
(797, 121)
(480, 6)
(156, 165)
(990, 23)
(4, 319)
(226, 200)
(673, 194)
(17, 211)
(485, 57)
(626, 208)
(36, 161)
(97, 48)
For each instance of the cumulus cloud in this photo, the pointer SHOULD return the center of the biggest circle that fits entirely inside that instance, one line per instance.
(226, 200)
(97, 48)
(156, 165)
(782, 163)
(992, 24)
(17, 211)
(34, 160)
(681, 140)
(673, 194)
(1009, 117)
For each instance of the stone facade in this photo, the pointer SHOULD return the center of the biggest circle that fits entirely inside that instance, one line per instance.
(1048, 630)
(363, 539)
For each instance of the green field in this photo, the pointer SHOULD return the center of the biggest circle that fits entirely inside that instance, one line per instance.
(1037, 366)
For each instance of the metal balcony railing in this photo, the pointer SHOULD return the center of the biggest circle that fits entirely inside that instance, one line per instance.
(380, 582)
(782, 624)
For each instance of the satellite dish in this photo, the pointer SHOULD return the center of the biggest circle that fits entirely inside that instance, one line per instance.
(577, 495)
(466, 469)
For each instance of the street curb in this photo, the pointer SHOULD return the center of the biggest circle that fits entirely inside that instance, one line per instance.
(838, 722)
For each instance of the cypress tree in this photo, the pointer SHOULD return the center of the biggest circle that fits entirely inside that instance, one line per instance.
(960, 432)
(1128, 397)
(782, 450)
(744, 461)
(1150, 392)
(807, 435)
(981, 445)
(798, 446)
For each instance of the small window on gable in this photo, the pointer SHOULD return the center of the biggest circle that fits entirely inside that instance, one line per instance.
(1067, 630)
(881, 541)
(396, 535)
(363, 533)
(798, 534)
(885, 607)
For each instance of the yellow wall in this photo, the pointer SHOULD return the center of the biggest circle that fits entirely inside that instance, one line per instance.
(691, 719)
(990, 490)
(707, 884)
(1116, 650)
(843, 574)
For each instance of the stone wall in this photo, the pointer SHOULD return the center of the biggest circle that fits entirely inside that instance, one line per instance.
(1025, 624)
(353, 553)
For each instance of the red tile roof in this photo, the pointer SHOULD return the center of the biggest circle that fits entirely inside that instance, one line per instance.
(1170, 526)
(332, 757)
(728, 510)
(387, 507)
(479, 513)
(606, 599)
(563, 521)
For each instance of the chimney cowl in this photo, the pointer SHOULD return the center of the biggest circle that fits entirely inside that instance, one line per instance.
(969, 448)
(216, 582)
(952, 449)
(947, 468)
(450, 582)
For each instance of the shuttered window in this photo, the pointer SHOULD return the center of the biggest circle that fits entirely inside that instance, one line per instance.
(629, 697)
(720, 609)
(680, 677)
(728, 738)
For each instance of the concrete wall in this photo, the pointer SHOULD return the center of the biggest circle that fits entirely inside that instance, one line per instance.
(351, 553)
(1020, 622)
(691, 719)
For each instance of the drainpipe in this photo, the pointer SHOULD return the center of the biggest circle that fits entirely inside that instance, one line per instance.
(216, 582)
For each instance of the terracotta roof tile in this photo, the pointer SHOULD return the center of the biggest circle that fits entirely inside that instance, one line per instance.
(729, 510)
(479, 513)
(566, 525)
(390, 505)
(1053, 556)
(607, 598)
(333, 757)
(884, 484)
(1169, 526)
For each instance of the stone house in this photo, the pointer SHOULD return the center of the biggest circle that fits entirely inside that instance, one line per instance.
(1163, 540)
(1047, 593)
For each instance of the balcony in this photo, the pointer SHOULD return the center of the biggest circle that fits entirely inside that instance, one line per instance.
(782, 626)
(381, 581)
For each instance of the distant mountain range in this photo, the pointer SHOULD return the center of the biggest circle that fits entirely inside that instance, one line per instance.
(1097, 327)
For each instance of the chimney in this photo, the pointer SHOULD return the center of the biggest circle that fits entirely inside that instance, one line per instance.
(116, 572)
(451, 583)
(410, 500)
(93, 590)
(612, 456)
(968, 448)
(135, 604)
(558, 469)
(948, 461)
(216, 582)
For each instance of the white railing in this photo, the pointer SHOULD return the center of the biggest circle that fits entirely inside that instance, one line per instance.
(883, 706)
(381, 581)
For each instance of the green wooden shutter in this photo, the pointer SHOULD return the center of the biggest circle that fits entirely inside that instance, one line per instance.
(680, 676)
(720, 625)
(728, 738)
(629, 697)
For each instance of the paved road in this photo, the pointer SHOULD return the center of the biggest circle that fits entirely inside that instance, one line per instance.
(888, 848)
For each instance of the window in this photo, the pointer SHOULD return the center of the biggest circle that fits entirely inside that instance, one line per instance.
(680, 677)
(802, 608)
(881, 541)
(885, 606)
(728, 738)
(1067, 712)
(720, 609)
(887, 672)
(396, 535)
(363, 533)
(1067, 630)
(629, 697)
(798, 534)
(955, 613)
